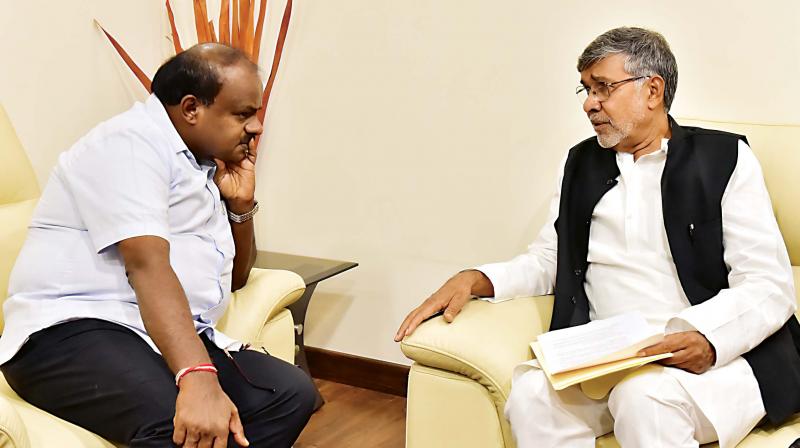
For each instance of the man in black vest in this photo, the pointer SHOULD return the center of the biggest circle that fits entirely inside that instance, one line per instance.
(670, 221)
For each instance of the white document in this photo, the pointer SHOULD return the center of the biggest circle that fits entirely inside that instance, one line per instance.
(598, 342)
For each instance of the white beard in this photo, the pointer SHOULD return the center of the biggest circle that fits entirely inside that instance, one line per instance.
(620, 131)
(614, 135)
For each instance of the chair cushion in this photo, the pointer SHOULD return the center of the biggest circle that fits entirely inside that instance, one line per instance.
(12, 429)
(43, 430)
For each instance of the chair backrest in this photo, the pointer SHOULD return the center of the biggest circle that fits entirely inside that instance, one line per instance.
(777, 148)
(19, 192)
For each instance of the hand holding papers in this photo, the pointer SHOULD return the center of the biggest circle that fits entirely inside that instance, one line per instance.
(573, 355)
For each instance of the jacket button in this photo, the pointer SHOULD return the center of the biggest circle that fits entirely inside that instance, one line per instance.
(573, 300)
(578, 272)
(610, 182)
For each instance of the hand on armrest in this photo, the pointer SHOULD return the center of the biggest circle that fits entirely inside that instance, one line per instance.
(449, 299)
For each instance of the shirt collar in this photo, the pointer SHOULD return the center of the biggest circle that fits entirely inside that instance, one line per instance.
(665, 145)
(663, 149)
(158, 114)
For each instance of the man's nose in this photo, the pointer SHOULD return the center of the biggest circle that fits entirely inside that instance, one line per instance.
(591, 104)
(254, 126)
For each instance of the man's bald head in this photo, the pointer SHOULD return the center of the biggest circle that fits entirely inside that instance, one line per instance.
(196, 71)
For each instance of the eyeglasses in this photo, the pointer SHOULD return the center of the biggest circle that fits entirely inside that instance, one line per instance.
(602, 90)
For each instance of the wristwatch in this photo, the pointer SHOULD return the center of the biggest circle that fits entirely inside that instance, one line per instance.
(244, 217)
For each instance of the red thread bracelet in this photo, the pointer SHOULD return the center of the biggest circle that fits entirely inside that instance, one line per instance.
(198, 368)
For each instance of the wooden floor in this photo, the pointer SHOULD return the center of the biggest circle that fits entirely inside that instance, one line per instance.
(355, 418)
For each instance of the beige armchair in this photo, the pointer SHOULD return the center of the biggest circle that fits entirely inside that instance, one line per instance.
(257, 313)
(461, 375)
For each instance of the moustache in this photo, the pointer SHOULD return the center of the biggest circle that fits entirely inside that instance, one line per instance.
(598, 118)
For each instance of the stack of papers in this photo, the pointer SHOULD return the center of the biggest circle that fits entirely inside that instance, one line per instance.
(577, 354)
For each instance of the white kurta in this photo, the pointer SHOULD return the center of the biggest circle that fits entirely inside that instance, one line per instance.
(631, 268)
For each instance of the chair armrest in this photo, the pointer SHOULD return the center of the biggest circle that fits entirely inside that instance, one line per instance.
(266, 293)
(484, 342)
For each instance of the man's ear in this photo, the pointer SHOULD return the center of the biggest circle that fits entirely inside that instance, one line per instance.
(190, 108)
(655, 94)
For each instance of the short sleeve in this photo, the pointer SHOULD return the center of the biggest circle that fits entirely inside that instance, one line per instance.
(120, 184)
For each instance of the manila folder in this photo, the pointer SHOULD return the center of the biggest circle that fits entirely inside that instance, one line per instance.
(565, 379)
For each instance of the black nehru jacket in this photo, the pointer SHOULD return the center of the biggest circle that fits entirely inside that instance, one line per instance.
(698, 167)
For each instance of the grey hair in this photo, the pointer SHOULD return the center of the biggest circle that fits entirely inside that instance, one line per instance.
(648, 54)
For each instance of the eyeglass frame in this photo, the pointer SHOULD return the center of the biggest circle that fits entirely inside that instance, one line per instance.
(610, 86)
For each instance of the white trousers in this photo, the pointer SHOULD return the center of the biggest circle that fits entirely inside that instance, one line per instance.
(651, 409)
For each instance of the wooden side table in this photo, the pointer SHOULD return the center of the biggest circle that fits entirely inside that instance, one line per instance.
(313, 271)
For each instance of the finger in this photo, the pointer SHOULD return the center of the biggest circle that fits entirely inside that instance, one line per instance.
(688, 366)
(253, 148)
(220, 173)
(179, 434)
(191, 439)
(671, 344)
(237, 430)
(206, 441)
(678, 357)
(693, 360)
(221, 442)
(422, 313)
(404, 326)
(670, 361)
(220, 164)
(413, 321)
(454, 307)
(656, 349)
(402, 330)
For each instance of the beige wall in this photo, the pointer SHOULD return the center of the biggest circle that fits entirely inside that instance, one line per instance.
(415, 137)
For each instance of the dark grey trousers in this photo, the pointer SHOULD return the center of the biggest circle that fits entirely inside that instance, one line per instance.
(105, 378)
